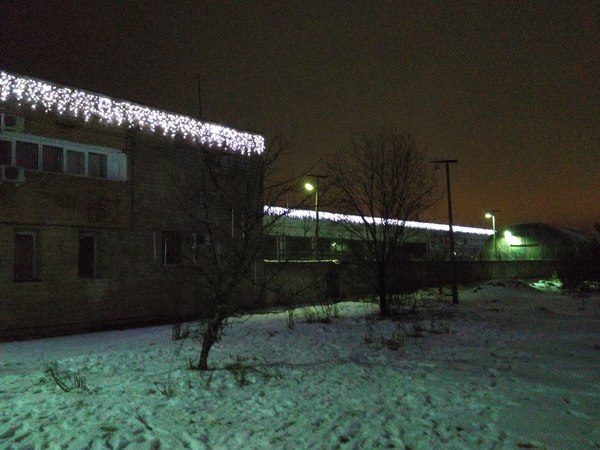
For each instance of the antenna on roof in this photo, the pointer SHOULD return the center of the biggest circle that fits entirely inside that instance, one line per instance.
(199, 98)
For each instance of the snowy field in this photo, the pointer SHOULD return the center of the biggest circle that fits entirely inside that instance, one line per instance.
(511, 367)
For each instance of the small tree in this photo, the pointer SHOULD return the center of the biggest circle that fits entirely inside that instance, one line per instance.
(226, 203)
(385, 181)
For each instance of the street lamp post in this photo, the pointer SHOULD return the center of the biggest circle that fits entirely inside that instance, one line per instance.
(492, 215)
(310, 188)
(447, 163)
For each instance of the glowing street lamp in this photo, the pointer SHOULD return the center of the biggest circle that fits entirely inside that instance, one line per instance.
(492, 215)
(315, 188)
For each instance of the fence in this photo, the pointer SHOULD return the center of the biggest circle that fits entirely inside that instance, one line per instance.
(299, 282)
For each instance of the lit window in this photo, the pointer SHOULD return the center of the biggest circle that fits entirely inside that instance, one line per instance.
(27, 155)
(5, 153)
(25, 256)
(96, 165)
(87, 256)
(52, 158)
(75, 163)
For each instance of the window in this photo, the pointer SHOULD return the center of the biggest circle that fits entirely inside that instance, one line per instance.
(52, 158)
(171, 248)
(87, 256)
(196, 241)
(27, 155)
(25, 256)
(5, 152)
(75, 163)
(56, 156)
(96, 165)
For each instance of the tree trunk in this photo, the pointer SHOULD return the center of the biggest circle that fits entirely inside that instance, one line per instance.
(203, 361)
(209, 338)
(384, 307)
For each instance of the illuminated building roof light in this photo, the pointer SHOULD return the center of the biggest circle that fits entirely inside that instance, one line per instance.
(335, 217)
(87, 105)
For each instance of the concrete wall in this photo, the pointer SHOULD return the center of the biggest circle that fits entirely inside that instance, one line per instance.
(297, 282)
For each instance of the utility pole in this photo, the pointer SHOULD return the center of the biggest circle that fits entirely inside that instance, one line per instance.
(492, 215)
(447, 163)
(309, 187)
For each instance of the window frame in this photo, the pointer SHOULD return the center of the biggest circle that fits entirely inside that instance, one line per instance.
(196, 241)
(67, 171)
(44, 160)
(36, 152)
(10, 150)
(104, 166)
(115, 160)
(94, 259)
(171, 240)
(34, 256)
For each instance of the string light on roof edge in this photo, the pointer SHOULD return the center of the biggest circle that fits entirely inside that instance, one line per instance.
(84, 104)
(335, 217)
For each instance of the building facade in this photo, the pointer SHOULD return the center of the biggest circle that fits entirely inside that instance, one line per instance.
(538, 241)
(293, 237)
(104, 204)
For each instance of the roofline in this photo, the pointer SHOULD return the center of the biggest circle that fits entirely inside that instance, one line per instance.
(87, 105)
(336, 217)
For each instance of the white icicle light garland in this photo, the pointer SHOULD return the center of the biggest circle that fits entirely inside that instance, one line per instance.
(79, 103)
(335, 217)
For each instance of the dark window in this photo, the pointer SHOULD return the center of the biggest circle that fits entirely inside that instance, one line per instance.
(96, 165)
(5, 153)
(75, 163)
(52, 158)
(10, 121)
(196, 242)
(24, 256)
(171, 248)
(87, 259)
(27, 155)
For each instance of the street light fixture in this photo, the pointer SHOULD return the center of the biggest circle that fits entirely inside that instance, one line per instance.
(492, 215)
(447, 163)
(310, 187)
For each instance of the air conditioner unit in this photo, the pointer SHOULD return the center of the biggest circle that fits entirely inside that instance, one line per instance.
(12, 174)
(10, 122)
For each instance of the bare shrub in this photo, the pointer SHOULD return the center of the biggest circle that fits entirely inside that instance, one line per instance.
(321, 313)
(396, 340)
(239, 369)
(289, 317)
(66, 381)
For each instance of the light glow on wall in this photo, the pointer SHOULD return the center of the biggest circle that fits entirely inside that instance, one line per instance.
(87, 105)
(511, 239)
(335, 217)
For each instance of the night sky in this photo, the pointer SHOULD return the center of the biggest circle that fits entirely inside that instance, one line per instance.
(509, 88)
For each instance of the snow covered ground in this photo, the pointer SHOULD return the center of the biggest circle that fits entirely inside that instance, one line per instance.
(510, 367)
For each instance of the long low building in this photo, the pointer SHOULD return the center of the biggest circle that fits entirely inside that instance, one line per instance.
(292, 237)
(538, 241)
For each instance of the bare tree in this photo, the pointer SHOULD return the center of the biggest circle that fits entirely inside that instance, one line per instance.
(225, 259)
(384, 180)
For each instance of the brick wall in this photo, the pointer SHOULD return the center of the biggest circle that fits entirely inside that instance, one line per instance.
(126, 218)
